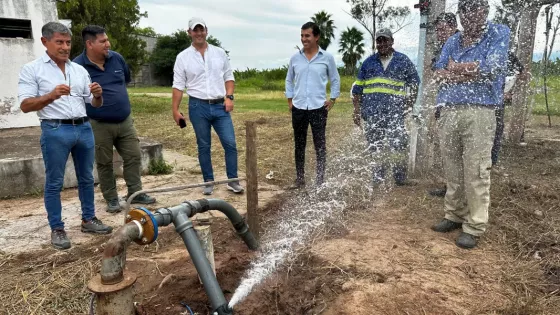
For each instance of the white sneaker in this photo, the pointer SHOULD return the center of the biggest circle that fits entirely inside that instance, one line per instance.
(235, 187)
(208, 190)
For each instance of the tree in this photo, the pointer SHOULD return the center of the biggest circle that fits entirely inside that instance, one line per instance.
(118, 17)
(373, 14)
(166, 50)
(525, 45)
(326, 25)
(352, 48)
(145, 31)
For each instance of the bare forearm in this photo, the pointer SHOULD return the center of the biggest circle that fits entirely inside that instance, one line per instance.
(450, 77)
(230, 87)
(34, 104)
(356, 100)
(463, 67)
(176, 99)
(97, 102)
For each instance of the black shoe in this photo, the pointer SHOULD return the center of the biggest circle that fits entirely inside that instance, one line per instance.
(467, 241)
(445, 226)
(113, 206)
(440, 192)
(95, 226)
(297, 185)
(59, 240)
(143, 199)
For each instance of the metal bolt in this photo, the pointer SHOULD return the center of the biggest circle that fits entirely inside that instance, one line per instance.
(144, 240)
(143, 220)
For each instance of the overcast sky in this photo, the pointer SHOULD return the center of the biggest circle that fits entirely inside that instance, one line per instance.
(263, 33)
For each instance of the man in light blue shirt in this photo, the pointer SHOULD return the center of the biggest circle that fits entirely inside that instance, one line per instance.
(308, 74)
(472, 69)
(58, 90)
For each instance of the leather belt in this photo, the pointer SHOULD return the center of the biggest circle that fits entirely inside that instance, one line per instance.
(74, 121)
(214, 101)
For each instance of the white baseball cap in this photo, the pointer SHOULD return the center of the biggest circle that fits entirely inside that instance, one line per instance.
(196, 21)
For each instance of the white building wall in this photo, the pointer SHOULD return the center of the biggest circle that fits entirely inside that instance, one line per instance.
(14, 53)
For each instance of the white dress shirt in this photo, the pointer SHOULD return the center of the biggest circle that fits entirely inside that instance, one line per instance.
(41, 76)
(203, 78)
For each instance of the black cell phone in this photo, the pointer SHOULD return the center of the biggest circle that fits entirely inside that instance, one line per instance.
(182, 122)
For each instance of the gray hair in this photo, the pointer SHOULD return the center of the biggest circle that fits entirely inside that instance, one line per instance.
(50, 28)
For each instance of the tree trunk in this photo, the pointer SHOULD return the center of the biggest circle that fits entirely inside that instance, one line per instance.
(526, 44)
(426, 147)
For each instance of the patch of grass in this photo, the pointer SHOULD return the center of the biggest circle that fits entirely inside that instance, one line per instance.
(275, 135)
(553, 103)
(150, 89)
(248, 86)
(159, 167)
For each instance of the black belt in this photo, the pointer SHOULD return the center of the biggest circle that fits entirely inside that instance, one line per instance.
(75, 121)
(214, 101)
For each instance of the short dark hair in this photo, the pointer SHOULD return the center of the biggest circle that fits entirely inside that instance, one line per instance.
(90, 32)
(470, 5)
(447, 18)
(313, 26)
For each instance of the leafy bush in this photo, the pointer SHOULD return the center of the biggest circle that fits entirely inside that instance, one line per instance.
(159, 167)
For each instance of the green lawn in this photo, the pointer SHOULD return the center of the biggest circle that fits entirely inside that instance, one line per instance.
(153, 119)
(257, 94)
(247, 86)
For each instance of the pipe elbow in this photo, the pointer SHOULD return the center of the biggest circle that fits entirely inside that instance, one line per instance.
(114, 255)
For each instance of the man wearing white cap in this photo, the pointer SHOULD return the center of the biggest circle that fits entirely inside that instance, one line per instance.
(204, 71)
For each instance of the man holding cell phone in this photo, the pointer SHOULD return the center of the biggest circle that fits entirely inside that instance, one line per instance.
(204, 71)
(58, 90)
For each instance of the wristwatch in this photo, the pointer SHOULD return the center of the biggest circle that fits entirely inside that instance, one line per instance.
(230, 96)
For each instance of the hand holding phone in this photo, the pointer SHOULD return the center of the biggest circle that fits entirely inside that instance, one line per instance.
(182, 122)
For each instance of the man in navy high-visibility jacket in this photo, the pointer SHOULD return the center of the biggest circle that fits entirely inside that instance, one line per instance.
(386, 88)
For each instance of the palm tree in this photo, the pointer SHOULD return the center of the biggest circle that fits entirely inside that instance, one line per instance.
(352, 48)
(326, 25)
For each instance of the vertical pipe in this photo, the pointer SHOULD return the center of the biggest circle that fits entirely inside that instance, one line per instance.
(184, 227)
(252, 183)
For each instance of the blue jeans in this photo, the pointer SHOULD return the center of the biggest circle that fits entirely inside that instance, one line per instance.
(203, 116)
(388, 142)
(57, 142)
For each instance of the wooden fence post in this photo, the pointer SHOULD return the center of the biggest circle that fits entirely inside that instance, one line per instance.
(253, 219)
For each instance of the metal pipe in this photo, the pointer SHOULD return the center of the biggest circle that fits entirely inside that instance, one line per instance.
(143, 226)
(236, 220)
(184, 227)
(167, 189)
(114, 255)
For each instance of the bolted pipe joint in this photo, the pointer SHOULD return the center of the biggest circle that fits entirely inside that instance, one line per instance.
(224, 310)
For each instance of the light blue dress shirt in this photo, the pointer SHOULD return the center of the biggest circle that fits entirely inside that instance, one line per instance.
(491, 51)
(306, 82)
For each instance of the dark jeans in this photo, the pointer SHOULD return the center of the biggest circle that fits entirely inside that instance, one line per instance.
(123, 137)
(498, 136)
(203, 117)
(57, 142)
(301, 119)
(388, 141)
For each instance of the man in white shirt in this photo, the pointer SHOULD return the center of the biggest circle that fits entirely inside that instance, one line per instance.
(204, 70)
(58, 90)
